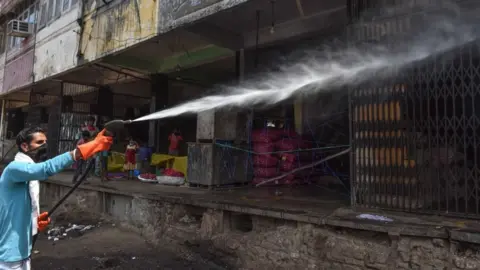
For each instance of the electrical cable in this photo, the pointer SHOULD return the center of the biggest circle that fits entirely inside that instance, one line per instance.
(304, 167)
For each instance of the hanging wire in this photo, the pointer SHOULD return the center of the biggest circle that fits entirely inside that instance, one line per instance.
(272, 29)
(257, 38)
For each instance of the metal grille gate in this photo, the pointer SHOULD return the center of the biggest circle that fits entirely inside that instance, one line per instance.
(77, 100)
(415, 136)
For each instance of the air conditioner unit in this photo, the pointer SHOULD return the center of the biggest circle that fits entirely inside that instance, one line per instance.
(18, 28)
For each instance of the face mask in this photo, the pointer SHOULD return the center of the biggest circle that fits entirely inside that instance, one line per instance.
(39, 154)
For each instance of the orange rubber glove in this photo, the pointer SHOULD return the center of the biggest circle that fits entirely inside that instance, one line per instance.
(99, 144)
(42, 221)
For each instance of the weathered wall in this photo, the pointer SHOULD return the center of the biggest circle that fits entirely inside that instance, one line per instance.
(56, 45)
(19, 71)
(175, 13)
(119, 25)
(256, 242)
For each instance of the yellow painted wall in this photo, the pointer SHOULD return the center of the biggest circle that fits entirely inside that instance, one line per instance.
(119, 25)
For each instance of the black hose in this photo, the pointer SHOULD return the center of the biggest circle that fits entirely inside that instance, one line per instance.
(90, 166)
(112, 125)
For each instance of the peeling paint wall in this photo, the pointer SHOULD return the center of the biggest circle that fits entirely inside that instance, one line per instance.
(117, 26)
(19, 71)
(56, 45)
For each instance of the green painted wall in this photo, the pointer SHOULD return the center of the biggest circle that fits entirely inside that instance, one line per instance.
(184, 60)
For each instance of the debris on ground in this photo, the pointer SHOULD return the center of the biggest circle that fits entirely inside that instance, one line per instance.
(375, 217)
(71, 230)
(114, 248)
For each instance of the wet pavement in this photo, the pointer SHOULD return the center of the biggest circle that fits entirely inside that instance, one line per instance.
(109, 247)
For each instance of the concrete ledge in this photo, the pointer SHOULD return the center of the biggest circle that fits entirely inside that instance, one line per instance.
(218, 205)
(408, 225)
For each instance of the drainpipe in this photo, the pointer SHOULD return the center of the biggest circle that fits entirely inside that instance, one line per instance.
(2, 120)
(81, 23)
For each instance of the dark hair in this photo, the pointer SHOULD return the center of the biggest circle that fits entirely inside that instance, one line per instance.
(91, 118)
(85, 134)
(26, 136)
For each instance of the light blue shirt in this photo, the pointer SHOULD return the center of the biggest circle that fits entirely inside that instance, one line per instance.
(16, 206)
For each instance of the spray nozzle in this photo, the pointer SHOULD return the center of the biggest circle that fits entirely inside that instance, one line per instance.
(116, 125)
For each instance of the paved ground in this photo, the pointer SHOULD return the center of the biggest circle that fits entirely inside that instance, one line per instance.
(109, 247)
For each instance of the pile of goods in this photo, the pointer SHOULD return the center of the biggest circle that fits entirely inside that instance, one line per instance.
(147, 177)
(273, 156)
(171, 177)
(115, 175)
(168, 177)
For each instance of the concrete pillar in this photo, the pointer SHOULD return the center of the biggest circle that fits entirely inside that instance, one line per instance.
(214, 222)
(222, 124)
(159, 101)
(298, 114)
(242, 118)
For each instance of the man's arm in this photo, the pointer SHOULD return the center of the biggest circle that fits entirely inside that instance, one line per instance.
(23, 172)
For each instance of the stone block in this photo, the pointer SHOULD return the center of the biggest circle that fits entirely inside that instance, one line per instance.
(212, 223)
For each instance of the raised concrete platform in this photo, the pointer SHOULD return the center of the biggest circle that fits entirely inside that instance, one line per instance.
(305, 203)
(276, 228)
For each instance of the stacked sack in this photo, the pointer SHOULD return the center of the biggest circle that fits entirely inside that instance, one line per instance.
(269, 165)
(265, 163)
(291, 160)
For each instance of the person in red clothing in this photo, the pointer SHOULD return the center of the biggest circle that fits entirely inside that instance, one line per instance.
(175, 138)
(90, 126)
(130, 158)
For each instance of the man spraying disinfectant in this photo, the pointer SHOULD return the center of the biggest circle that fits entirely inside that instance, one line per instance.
(15, 199)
